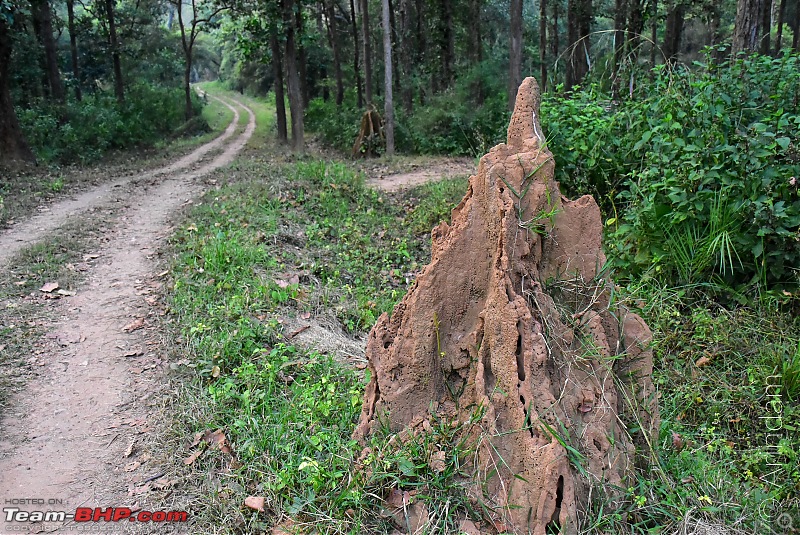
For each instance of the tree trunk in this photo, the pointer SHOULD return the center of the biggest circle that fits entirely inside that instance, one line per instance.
(330, 15)
(305, 88)
(474, 38)
(779, 37)
(119, 88)
(620, 19)
(745, 31)
(295, 89)
(543, 44)
(187, 85)
(447, 42)
(554, 43)
(766, 25)
(367, 51)
(12, 146)
(73, 48)
(796, 39)
(388, 109)
(41, 12)
(673, 31)
(277, 74)
(514, 51)
(356, 47)
(654, 32)
(579, 18)
(406, 50)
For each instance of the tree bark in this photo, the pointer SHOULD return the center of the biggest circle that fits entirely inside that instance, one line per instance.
(745, 31)
(41, 12)
(406, 50)
(779, 36)
(543, 44)
(765, 22)
(277, 74)
(13, 147)
(447, 41)
(796, 39)
(295, 89)
(654, 32)
(367, 51)
(673, 31)
(579, 19)
(330, 15)
(515, 51)
(73, 48)
(554, 43)
(305, 88)
(187, 43)
(474, 37)
(388, 109)
(119, 87)
(620, 20)
(356, 47)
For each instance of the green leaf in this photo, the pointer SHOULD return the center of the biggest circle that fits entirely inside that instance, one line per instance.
(783, 142)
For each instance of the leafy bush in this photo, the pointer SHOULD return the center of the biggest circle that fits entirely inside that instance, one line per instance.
(84, 131)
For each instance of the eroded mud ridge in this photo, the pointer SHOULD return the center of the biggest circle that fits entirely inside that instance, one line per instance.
(514, 318)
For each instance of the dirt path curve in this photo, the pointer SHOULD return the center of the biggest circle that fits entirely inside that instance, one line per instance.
(76, 432)
(437, 169)
(34, 229)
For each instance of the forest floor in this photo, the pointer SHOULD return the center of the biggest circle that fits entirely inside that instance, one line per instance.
(84, 377)
(79, 299)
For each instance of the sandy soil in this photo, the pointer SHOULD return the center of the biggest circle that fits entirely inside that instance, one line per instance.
(420, 173)
(74, 436)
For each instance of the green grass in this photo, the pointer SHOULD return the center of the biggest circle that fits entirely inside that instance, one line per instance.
(263, 108)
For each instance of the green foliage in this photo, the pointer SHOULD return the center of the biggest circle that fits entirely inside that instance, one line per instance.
(84, 131)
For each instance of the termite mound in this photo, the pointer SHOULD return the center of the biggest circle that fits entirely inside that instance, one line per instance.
(515, 318)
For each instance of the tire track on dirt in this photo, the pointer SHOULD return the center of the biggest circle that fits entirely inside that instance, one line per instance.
(31, 231)
(76, 432)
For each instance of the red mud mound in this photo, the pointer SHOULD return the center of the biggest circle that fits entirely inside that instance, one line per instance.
(513, 318)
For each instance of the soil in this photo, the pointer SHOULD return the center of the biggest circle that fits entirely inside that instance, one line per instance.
(387, 179)
(75, 434)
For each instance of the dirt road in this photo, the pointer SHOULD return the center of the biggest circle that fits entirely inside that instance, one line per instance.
(74, 436)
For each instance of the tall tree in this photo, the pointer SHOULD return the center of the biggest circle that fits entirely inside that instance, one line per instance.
(779, 36)
(333, 37)
(620, 20)
(447, 41)
(543, 44)
(515, 51)
(43, 23)
(673, 32)
(12, 145)
(277, 75)
(745, 31)
(405, 56)
(365, 32)
(188, 38)
(765, 25)
(293, 75)
(119, 86)
(356, 48)
(73, 48)
(579, 22)
(388, 109)
(554, 42)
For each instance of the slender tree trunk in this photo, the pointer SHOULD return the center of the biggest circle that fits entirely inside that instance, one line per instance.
(673, 31)
(779, 36)
(447, 41)
(554, 42)
(73, 48)
(421, 43)
(796, 39)
(405, 50)
(620, 20)
(579, 18)
(305, 88)
(388, 109)
(515, 51)
(12, 145)
(119, 87)
(395, 62)
(295, 88)
(367, 51)
(543, 44)
(187, 84)
(41, 12)
(356, 47)
(745, 32)
(766, 26)
(474, 37)
(635, 27)
(653, 32)
(277, 74)
(337, 62)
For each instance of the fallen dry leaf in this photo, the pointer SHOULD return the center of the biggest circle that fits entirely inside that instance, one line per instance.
(702, 361)
(67, 292)
(136, 324)
(677, 441)
(133, 353)
(437, 462)
(129, 450)
(49, 287)
(305, 315)
(300, 330)
(130, 467)
(193, 457)
(255, 502)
